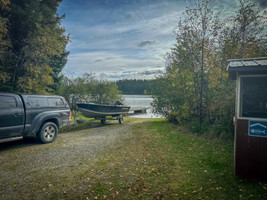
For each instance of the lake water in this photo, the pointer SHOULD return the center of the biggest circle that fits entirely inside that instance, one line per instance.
(140, 101)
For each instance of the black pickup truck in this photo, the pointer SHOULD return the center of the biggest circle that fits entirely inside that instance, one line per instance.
(25, 115)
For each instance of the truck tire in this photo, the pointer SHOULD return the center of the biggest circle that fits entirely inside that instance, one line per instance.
(47, 133)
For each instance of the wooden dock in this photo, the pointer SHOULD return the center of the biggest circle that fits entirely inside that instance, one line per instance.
(137, 110)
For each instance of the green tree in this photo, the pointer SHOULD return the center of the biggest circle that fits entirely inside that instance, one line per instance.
(88, 89)
(37, 39)
(196, 83)
(243, 35)
(5, 44)
(189, 63)
(136, 86)
(58, 63)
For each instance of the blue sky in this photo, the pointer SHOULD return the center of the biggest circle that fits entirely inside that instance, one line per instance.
(118, 39)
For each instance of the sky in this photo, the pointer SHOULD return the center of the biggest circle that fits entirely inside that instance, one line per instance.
(119, 39)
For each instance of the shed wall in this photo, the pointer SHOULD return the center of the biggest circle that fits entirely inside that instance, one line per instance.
(250, 153)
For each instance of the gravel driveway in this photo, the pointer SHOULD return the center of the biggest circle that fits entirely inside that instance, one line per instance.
(24, 163)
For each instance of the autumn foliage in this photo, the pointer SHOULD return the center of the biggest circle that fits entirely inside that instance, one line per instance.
(196, 87)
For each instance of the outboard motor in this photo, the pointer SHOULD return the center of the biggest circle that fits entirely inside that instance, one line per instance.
(118, 103)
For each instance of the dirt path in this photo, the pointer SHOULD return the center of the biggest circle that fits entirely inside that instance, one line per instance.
(22, 163)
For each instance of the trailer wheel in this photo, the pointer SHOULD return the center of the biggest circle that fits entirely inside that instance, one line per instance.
(47, 133)
(103, 121)
(121, 119)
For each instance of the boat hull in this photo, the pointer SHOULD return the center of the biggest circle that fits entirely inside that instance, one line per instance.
(96, 110)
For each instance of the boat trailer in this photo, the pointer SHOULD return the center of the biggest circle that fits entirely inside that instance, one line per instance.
(103, 119)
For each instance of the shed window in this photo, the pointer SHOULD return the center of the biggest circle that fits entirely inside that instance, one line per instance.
(253, 97)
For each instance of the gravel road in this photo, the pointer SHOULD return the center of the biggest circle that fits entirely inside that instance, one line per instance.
(24, 162)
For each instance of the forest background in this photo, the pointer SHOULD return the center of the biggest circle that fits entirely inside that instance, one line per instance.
(195, 88)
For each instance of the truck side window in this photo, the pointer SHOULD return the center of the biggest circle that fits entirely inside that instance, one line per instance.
(7, 102)
(38, 101)
(53, 102)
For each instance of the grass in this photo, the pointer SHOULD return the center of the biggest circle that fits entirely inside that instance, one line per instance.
(156, 161)
(89, 123)
(160, 162)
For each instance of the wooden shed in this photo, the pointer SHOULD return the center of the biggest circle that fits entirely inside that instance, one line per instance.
(250, 117)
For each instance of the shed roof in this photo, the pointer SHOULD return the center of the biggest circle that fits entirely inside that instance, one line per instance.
(247, 66)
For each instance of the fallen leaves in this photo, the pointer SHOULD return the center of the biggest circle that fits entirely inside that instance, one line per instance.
(219, 188)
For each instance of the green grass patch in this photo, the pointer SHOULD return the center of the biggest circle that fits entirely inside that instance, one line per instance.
(90, 123)
(160, 162)
(81, 116)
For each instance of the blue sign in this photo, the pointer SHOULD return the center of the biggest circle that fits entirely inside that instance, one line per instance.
(257, 128)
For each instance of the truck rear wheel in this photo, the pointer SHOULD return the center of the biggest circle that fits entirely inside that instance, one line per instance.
(47, 133)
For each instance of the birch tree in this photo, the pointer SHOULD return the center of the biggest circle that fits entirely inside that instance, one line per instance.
(190, 61)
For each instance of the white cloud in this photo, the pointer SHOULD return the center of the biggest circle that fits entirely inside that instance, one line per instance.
(112, 49)
(113, 76)
(112, 41)
(109, 63)
(119, 35)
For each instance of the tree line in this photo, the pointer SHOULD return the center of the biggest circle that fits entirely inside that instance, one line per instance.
(88, 89)
(135, 86)
(195, 88)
